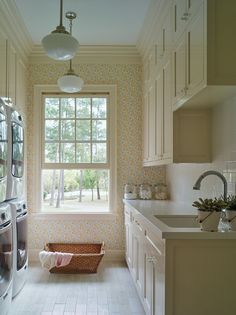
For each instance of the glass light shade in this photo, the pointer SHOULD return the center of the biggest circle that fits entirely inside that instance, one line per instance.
(70, 83)
(60, 46)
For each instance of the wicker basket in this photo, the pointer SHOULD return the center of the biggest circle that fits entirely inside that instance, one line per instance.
(85, 259)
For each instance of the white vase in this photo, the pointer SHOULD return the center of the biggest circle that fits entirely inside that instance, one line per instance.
(209, 220)
(231, 218)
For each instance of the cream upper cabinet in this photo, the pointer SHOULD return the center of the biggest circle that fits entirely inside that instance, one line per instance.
(20, 84)
(167, 115)
(11, 73)
(3, 66)
(160, 115)
(189, 60)
(183, 10)
(205, 39)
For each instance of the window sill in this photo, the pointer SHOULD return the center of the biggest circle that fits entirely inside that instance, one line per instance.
(73, 216)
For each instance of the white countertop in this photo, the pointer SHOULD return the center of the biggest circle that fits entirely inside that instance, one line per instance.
(149, 208)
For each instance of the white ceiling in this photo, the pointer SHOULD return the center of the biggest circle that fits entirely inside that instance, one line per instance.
(99, 22)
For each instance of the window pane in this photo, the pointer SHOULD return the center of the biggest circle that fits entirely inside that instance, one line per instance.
(51, 152)
(52, 107)
(51, 129)
(67, 107)
(99, 153)
(83, 153)
(83, 107)
(75, 190)
(99, 129)
(67, 130)
(68, 153)
(99, 107)
(83, 130)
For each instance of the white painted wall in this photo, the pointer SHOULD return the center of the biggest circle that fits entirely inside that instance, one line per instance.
(181, 177)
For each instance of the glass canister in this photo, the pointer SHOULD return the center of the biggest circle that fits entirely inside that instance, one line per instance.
(160, 191)
(145, 191)
(130, 191)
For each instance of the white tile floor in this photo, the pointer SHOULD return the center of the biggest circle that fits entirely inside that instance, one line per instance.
(109, 292)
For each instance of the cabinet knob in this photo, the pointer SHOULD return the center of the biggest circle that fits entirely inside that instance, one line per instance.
(184, 18)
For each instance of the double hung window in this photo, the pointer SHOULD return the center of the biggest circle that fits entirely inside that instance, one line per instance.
(77, 153)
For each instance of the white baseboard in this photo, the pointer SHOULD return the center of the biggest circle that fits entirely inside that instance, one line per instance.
(110, 255)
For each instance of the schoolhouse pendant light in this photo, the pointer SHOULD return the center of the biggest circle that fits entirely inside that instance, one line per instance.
(60, 44)
(70, 82)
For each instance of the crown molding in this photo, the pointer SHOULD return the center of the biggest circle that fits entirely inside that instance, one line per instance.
(93, 54)
(14, 29)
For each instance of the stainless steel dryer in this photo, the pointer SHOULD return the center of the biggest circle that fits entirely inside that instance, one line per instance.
(3, 151)
(15, 176)
(20, 241)
(6, 258)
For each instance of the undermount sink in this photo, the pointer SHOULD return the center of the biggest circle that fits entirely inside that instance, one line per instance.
(179, 221)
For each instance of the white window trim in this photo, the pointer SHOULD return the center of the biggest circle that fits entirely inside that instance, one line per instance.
(39, 90)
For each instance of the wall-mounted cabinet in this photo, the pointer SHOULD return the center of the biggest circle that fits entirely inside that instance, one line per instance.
(203, 55)
(197, 70)
(12, 74)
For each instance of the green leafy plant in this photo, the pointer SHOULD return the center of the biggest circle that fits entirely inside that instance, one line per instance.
(231, 202)
(216, 204)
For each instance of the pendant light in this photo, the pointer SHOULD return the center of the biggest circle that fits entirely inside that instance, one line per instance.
(70, 82)
(60, 44)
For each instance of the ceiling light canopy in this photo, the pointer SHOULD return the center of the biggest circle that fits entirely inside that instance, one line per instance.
(60, 44)
(70, 82)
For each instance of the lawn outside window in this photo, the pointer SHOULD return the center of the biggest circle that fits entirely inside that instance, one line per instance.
(77, 167)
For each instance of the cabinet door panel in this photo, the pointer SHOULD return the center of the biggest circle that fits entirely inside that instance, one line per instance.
(11, 72)
(195, 54)
(167, 118)
(148, 283)
(179, 70)
(145, 129)
(20, 84)
(3, 66)
(158, 115)
(151, 120)
(180, 17)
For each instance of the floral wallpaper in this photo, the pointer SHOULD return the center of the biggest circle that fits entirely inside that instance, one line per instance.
(128, 78)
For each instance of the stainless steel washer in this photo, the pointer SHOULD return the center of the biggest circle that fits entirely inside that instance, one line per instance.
(20, 241)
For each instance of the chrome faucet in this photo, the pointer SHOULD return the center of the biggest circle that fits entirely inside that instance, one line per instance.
(197, 185)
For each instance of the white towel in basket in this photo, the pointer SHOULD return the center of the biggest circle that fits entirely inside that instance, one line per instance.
(54, 259)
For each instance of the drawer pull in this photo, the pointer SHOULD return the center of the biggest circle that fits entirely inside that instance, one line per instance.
(152, 259)
(138, 225)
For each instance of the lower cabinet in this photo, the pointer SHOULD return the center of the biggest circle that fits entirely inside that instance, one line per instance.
(153, 281)
(181, 276)
(146, 264)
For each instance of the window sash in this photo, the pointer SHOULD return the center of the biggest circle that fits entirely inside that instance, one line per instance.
(59, 141)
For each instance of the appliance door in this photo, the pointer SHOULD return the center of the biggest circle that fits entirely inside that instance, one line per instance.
(22, 243)
(17, 150)
(5, 257)
(3, 156)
